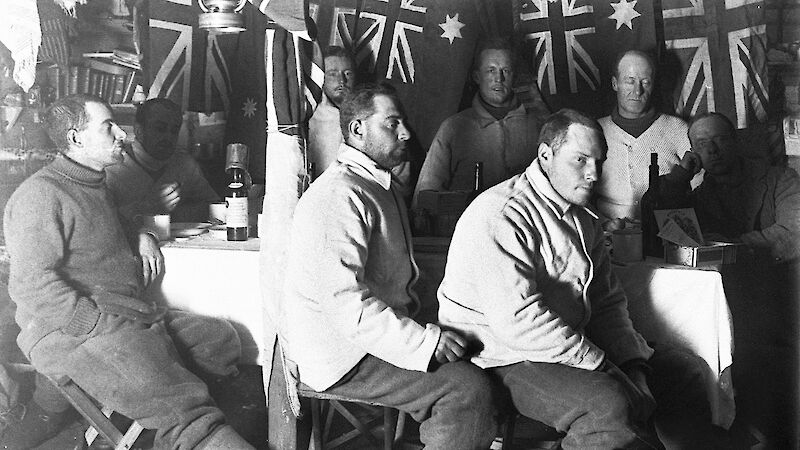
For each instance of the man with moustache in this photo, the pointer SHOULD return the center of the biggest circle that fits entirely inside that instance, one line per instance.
(528, 280)
(497, 130)
(633, 131)
(77, 280)
(349, 290)
(154, 177)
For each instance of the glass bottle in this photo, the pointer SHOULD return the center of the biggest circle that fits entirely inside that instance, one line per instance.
(651, 201)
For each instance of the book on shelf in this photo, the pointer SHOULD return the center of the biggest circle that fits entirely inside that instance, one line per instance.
(84, 80)
(73, 80)
(118, 91)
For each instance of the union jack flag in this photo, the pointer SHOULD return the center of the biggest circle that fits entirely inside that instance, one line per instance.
(562, 34)
(721, 48)
(380, 33)
(192, 69)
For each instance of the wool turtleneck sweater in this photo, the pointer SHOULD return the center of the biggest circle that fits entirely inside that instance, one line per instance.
(70, 259)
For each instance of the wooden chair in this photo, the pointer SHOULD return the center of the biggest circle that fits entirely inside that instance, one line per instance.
(324, 407)
(99, 418)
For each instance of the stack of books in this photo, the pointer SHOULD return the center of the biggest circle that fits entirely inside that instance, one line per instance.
(111, 81)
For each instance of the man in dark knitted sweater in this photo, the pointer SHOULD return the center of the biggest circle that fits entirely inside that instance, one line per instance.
(78, 280)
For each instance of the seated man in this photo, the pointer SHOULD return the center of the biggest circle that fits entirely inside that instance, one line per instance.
(348, 292)
(496, 130)
(634, 130)
(78, 287)
(154, 178)
(740, 200)
(528, 279)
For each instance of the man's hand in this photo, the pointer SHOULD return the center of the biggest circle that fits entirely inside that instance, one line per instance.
(635, 384)
(451, 347)
(152, 259)
(165, 197)
(691, 162)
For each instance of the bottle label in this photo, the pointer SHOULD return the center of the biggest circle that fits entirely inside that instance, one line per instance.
(236, 216)
(235, 185)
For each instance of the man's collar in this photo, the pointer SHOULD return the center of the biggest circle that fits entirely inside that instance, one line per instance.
(327, 101)
(485, 118)
(542, 185)
(365, 166)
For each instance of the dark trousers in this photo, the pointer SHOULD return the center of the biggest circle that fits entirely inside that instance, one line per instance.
(453, 403)
(140, 370)
(593, 410)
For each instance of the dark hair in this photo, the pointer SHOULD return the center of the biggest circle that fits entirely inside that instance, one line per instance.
(341, 52)
(554, 130)
(707, 115)
(494, 43)
(360, 103)
(146, 108)
(650, 60)
(68, 113)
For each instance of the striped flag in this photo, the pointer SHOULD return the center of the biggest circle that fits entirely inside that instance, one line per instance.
(720, 49)
(186, 64)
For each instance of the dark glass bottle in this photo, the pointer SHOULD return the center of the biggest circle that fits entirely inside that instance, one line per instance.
(236, 199)
(651, 201)
(477, 182)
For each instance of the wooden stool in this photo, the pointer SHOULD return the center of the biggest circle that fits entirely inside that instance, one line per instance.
(99, 419)
(323, 404)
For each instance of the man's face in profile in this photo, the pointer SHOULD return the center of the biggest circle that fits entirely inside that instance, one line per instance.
(495, 77)
(714, 142)
(340, 78)
(159, 132)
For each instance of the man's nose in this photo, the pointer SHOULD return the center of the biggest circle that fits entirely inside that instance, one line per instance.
(403, 133)
(119, 133)
(592, 172)
(638, 88)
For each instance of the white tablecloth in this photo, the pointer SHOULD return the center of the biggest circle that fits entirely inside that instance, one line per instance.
(216, 278)
(671, 305)
(688, 308)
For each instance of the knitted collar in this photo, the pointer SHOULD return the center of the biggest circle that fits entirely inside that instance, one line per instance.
(499, 112)
(484, 118)
(635, 127)
(77, 172)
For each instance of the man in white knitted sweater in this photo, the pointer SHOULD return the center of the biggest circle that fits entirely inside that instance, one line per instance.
(633, 131)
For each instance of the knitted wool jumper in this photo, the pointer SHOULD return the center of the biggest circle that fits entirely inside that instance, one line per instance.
(70, 259)
(625, 171)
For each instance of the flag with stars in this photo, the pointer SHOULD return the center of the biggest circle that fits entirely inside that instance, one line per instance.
(184, 63)
(423, 48)
(571, 46)
(718, 49)
(247, 115)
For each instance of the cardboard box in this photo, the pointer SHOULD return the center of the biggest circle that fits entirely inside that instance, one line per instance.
(706, 255)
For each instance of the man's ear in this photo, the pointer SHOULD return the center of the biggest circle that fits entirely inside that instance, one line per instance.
(544, 153)
(475, 78)
(614, 83)
(73, 137)
(356, 129)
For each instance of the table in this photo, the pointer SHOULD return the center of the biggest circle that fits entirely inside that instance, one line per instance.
(688, 308)
(217, 278)
(667, 303)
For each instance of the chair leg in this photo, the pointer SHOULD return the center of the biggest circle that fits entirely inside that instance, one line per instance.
(508, 432)
(401, 424)
(388, 428)
(316, 424)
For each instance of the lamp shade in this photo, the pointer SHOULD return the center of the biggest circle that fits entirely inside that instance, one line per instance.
(222, 16)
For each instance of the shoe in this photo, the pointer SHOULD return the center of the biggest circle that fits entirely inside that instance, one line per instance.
(27, 426)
